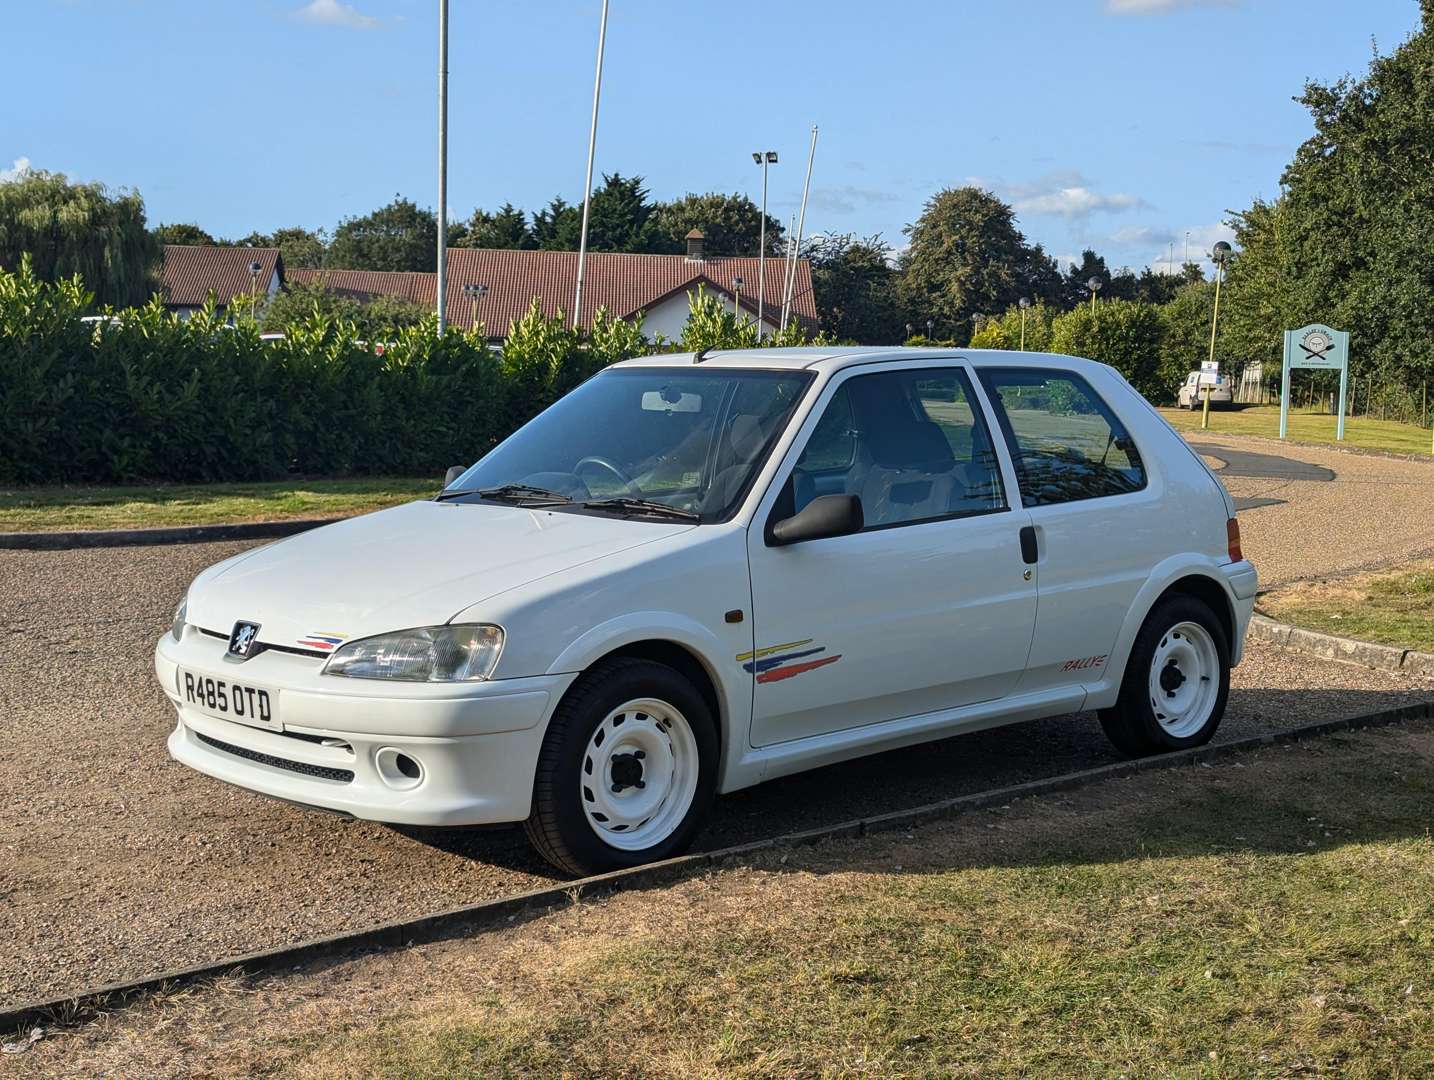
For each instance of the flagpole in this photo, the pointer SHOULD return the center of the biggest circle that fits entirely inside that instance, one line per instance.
(442, 276)
(801, 225)
(588, 183)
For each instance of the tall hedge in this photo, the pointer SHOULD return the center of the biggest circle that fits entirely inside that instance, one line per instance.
(148, 396)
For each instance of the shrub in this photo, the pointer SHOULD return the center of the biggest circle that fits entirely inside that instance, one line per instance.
(150, 396)
(1127, 335)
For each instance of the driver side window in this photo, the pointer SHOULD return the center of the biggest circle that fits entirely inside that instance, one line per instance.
(913, 445)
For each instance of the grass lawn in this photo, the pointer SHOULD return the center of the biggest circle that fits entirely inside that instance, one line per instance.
(1267, 916)
(42, 509)
(1391, 607)
(1308, 427)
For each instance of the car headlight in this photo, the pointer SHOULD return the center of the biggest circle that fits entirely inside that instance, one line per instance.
(176, 626)
(464, 653)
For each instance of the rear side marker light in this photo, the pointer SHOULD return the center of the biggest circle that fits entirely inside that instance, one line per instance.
(1232, 536)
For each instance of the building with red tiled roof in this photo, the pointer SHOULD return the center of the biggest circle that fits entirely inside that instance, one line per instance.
(653, 286)
(192, 272)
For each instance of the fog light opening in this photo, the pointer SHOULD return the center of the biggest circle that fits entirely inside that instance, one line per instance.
(397, 769)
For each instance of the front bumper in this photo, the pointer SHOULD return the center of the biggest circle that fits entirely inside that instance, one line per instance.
(336, 740)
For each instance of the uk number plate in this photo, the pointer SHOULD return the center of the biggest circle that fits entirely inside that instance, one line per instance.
(228, 700)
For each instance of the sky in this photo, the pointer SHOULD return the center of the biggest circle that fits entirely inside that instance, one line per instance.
(1121, 125)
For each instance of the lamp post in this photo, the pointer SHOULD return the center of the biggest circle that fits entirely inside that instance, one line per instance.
(474, 294)
(254, 269)
(1093, 284)
(737, 284)
(762, 158)
(1219, 256)
(1025, 303)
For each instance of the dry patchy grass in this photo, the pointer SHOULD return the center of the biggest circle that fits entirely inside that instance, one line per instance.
(1266, 917)
(1394, 607)
(42, 509)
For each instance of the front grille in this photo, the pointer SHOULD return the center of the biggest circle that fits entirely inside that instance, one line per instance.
(265, 646)
(323, 772)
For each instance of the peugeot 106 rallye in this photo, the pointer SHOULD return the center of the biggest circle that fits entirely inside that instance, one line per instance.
(696, 573)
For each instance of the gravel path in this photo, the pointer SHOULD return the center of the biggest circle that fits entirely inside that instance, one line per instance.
(116, 863)
(1377, 511)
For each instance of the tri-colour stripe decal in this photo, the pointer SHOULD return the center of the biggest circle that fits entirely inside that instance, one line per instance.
(323, 642)
(773, 664)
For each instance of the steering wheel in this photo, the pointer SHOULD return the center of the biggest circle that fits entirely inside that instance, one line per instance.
(622, 477)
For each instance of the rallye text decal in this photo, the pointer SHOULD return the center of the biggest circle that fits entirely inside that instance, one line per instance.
(774, 663)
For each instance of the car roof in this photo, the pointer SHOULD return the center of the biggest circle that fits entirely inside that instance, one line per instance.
(835, 357)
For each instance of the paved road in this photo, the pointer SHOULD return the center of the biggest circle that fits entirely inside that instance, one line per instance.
(1310, 512)
(115, 862)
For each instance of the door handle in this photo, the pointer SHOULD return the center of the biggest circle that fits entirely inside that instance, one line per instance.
(1028, 544)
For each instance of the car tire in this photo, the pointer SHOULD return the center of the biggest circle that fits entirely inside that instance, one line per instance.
(627, 771)
(1176, 683)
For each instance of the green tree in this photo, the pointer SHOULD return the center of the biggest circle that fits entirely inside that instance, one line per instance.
(731, 225)
(375, 320)
(506, 228)
(1126, 335)
(298, 247)
(183, 234)
(619, 214)
(966, 257)
(1350, 241)
(855, 289)
(1005, 332)
(399, 236)
(558, 226)
(83, 229)
(1187, 335)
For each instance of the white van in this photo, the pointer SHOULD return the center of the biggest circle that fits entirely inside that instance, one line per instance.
(696, 573)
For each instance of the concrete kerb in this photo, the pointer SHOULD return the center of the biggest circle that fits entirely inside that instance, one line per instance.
(494, 914)
(1330, 647)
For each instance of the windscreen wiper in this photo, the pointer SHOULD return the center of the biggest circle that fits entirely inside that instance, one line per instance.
(629, 505)
(516, 493)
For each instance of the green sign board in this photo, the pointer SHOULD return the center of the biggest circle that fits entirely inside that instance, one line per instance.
(1318, 347)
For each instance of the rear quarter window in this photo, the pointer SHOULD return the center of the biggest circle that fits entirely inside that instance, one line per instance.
(1066, 442)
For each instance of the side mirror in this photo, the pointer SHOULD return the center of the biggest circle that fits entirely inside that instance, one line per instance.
(823, 517)
(453, 473)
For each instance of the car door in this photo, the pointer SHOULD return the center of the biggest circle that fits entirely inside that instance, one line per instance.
(1095, 513)
(931, 605)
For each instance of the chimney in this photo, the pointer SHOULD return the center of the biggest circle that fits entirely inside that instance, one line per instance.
(695, 240)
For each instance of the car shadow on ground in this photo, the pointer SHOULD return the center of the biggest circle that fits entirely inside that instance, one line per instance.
(930, 772)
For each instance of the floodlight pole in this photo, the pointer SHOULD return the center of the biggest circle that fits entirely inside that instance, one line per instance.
(442, 276)
(1025, 306)
(763, 158)
(588, 183)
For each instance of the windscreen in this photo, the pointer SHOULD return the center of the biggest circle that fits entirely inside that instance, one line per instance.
(689, 438)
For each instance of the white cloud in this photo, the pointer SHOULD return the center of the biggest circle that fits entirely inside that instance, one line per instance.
(1078, 202)
(1158, 7)
(1163, 250)
(335, 13)
(19, 169)
(1065, 193)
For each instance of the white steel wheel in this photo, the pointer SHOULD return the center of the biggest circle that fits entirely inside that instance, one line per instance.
(1184, 681)
(639, 774)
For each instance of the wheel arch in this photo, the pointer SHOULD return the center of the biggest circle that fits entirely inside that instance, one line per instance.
(1176, 578)
(683, 645)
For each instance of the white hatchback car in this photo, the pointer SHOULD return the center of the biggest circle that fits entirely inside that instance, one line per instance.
(696, 573)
